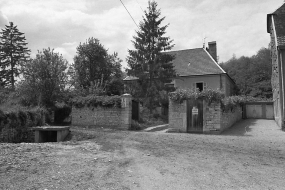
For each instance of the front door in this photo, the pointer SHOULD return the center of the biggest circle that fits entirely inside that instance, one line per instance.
(195, 116)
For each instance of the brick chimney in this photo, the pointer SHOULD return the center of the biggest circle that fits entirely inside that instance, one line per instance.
(213, 50)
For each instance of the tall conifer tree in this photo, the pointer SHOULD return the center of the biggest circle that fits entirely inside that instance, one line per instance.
(13, 51)
(147, 61)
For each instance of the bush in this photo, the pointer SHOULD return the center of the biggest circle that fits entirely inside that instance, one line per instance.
(229, 103)
(94, 101)
(209, 95)
(135, 126)
(61, 112)
(15, 125)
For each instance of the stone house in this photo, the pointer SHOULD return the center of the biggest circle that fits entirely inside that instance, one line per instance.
(198, 69)
(276, 28)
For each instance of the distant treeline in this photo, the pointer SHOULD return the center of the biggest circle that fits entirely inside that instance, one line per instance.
(251, 74)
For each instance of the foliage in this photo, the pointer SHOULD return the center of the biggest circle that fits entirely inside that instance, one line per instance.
(209, 95)
(135, 126)
(94, 101)
(45, 78)
(15, 125)
(13, 52)
(147, 62)
(61, 112)
(93, 63)
(252, 74)
(230, 102)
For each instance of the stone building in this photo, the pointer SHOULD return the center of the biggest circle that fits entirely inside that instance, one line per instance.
(276, 28)
(197, 68)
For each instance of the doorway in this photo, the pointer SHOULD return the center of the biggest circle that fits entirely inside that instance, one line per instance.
(195, 116)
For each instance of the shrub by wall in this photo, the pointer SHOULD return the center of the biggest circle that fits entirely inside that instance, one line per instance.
(15, 125)
(61, 112)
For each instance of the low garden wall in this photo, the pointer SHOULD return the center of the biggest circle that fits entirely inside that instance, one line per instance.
(178, 116)
(215, 119)
(104, 114)
(208, 111)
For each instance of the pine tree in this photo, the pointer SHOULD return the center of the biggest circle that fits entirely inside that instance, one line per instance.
(13, 52)
(147, 61)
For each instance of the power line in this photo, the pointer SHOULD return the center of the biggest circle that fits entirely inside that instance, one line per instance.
(139, 5)
(129, 13)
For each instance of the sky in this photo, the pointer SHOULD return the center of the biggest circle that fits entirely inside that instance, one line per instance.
(238, 26)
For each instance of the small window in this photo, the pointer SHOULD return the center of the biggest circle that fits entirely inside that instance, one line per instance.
(199, 85)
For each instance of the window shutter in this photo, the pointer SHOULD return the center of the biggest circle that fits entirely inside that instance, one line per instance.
(204, 85)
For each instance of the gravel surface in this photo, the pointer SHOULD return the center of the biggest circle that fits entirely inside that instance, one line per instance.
(250, 155)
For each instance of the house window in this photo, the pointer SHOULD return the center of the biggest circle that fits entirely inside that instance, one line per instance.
(200, 86)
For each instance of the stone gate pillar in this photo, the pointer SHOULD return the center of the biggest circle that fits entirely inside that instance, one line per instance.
(126, 116)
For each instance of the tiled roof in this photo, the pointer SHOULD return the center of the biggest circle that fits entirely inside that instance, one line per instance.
(191, 62)
(279, 21)
(195, 62)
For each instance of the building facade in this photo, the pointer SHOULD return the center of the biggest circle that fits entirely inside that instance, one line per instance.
(276, 29)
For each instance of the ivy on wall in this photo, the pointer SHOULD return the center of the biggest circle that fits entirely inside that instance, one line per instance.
(210, 95)
(95, 101)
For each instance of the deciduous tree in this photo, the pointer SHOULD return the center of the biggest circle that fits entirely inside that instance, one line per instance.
(45, 78)
(252, 74)
(93, 63)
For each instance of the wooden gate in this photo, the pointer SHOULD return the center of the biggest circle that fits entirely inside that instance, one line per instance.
(135, 110)
(195, 116)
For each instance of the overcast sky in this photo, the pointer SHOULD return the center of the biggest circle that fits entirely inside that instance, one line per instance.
(238, 26)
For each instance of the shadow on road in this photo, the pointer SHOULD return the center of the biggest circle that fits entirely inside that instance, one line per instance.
(241, 128)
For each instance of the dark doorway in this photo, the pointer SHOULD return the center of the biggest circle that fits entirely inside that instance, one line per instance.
(49, 136)
(195, 116)
(135, 110)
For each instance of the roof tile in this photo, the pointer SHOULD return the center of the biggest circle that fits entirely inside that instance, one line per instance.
(194, 62)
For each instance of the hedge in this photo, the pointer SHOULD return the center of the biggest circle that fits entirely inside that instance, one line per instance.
(15, 125)
(227, 103)
(94, 101)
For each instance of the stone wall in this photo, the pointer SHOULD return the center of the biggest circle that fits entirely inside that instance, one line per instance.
(101, 116)
(230, 117)
(178, 116)
(212, 118)
(215, 120)
(275, 78)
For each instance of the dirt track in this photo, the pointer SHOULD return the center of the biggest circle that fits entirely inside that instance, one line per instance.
(251, 155)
